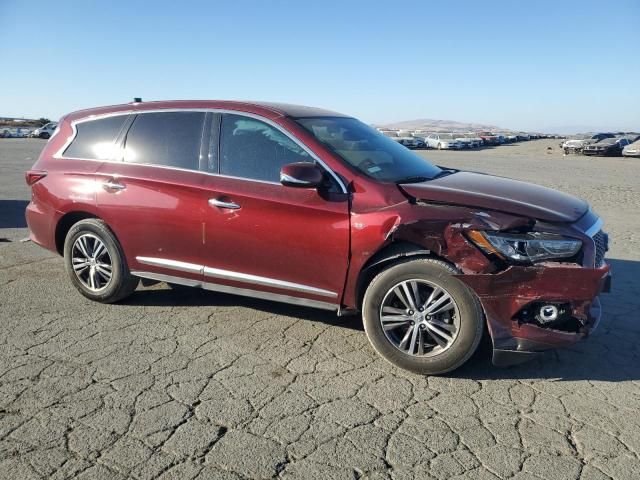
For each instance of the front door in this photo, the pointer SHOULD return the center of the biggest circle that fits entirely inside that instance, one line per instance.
(261, 235)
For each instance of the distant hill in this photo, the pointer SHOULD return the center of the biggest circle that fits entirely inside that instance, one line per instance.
(440, 126)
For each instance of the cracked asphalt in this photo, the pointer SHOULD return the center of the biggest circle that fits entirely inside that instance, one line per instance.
(188, 384)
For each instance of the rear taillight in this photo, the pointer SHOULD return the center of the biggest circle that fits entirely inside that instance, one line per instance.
(33, 176)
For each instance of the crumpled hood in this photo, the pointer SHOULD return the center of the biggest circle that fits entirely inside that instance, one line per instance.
(501, 194)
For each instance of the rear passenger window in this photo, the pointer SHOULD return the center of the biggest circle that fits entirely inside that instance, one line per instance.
(165, 138)
(253, 149)
(95, 138)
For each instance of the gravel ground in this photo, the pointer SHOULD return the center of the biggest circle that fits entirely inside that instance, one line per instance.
(190, 384)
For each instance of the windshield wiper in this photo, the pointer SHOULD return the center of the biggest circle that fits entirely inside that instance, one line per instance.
(422, 178)
(414, 179)
(445, 172)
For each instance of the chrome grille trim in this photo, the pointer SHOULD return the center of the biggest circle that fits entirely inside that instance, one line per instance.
(600, 241)
(595, 228)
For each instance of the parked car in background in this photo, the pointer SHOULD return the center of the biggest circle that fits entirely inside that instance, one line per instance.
(46, 131)
(466, 142)
(632, 150)
(421, 141)
(512, 138)
(476, 142)
(444, 141)
(257, 199)
(410, 142)
(608, 147)
(5, 133)
(575, 145)
(489, 138)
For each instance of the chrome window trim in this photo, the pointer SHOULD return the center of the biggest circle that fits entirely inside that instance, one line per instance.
(595, 228)
(74, 133)
(237, 291)
(233, 276)
(59, 153)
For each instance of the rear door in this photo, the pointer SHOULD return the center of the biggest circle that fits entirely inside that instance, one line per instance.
(151, 198)
(261, 235)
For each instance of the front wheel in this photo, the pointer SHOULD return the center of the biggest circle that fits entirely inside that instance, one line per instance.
(96, 264)
(419, 317)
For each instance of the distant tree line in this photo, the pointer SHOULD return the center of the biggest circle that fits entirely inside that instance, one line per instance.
(23, 123)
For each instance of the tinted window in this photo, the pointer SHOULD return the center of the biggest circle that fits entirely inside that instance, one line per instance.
(165, 138)
(253, 149)
(95, 139)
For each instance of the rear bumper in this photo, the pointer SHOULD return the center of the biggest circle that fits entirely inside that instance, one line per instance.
(504, 296)
(41, 221)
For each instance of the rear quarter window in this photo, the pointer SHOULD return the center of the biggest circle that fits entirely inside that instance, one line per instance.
(95, 138)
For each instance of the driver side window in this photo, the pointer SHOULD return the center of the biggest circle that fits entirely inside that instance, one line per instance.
(252, 149)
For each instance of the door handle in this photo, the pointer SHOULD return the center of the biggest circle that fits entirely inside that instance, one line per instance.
(112, 185)
(214, 202)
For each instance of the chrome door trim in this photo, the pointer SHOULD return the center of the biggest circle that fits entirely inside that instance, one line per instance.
(280, 128)
(237, 291)
(172, 264)
(214, 202)
(111, 185)
(234, 276)
(166, 278)
(265, 281)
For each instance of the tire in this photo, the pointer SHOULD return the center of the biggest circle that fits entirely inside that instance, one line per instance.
(45, 135)
(464, 320)
(80, 247)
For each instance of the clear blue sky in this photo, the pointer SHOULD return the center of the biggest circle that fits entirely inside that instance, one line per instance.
(525, 65)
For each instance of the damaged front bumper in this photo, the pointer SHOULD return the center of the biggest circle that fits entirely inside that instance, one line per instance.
(509, 297)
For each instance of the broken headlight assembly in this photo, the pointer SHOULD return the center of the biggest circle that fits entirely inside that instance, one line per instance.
(526, 247)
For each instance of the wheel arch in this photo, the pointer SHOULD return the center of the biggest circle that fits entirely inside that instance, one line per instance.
(65, 223)
(386, 256)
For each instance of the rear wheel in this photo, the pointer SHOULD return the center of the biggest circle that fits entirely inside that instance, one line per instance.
(96, 264)
(419, 317)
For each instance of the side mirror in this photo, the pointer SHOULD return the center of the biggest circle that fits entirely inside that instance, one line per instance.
(301, 175)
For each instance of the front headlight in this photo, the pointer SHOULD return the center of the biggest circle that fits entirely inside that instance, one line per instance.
(526, 247)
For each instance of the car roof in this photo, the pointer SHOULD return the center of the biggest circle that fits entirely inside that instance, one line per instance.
(269, 110)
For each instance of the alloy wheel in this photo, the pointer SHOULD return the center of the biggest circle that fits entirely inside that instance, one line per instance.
(419, 318)
(91, 262)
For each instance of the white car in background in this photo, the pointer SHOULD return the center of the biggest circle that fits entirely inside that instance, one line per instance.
(444, 141)
(46, 131)
(577, 144)
(632, 150)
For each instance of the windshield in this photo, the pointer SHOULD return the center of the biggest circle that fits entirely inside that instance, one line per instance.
(367, 150)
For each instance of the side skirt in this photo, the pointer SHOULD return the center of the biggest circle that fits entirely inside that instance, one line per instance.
(276, 297)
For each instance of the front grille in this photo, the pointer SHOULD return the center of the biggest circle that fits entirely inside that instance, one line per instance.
(601, 241)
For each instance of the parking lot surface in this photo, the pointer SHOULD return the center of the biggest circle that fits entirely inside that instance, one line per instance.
(190, 384)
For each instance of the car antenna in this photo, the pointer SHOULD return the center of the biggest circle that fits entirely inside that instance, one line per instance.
(137, 100)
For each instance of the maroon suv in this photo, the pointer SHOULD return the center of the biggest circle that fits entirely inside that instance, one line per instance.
(315, 208)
